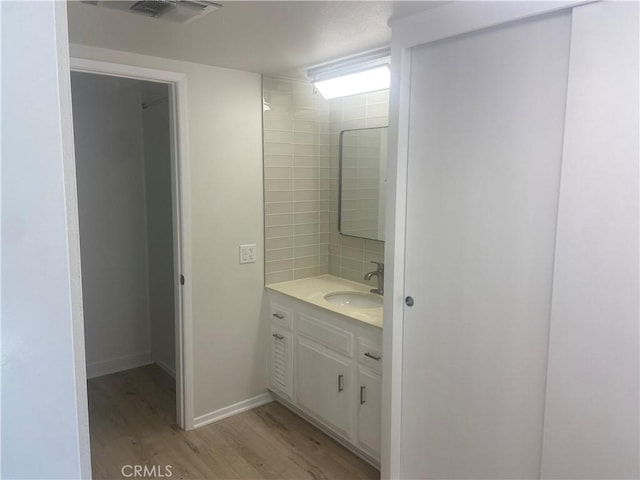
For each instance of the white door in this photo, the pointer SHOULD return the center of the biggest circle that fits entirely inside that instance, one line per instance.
(485, 139)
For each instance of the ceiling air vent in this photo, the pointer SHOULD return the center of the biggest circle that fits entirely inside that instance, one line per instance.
(180, 11)
(153, 8)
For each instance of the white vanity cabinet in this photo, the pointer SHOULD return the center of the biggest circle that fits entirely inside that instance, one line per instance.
(327, 367)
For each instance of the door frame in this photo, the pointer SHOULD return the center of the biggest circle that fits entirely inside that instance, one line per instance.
(180, 188)
(453, 19)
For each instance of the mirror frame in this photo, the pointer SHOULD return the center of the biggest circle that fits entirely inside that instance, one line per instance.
(342, 132)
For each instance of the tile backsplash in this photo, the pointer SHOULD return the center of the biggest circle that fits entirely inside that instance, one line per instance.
(301, 158)
(296, 172)
(349, 257)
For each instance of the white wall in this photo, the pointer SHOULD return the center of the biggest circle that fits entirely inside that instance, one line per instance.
(592, 406)
(157, 167)
(107, 119)
(225, 156)
(44, 405)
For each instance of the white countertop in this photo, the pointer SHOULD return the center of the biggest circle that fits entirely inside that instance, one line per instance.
(313, 289)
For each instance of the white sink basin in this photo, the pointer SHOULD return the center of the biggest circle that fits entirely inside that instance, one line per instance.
(354, 299)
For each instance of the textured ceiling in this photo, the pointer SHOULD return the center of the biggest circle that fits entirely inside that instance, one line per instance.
(274, 38)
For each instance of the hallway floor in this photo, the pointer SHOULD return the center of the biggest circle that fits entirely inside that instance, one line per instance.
(132, 422)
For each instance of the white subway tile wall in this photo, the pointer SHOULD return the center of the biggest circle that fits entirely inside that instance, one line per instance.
(301, 158)
(296, 127)
(350, 257)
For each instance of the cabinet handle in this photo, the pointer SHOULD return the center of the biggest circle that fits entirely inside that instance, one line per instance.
(278, 336)
(371, 355)
(278, 315)
(340, 383)
(363, 391)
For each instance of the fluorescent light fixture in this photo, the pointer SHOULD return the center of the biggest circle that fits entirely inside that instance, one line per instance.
(364, 81)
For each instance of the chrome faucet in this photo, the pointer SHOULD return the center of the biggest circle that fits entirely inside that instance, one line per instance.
(379, 274)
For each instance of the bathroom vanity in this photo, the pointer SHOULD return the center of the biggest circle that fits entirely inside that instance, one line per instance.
(325, 357)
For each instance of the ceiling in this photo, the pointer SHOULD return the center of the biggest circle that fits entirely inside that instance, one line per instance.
(272, 38)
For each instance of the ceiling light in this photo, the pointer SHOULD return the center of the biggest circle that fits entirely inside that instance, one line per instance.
(360, 82)
(362, 73)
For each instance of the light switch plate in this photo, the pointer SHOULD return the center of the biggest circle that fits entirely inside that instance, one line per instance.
(248, 253)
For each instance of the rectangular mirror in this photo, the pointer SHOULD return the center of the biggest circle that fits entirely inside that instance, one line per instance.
(363, 164)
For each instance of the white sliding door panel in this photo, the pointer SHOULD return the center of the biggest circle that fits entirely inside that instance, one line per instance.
(485, 145)
(591, 419)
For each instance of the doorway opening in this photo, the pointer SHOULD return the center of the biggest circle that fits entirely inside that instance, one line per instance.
(131, 174)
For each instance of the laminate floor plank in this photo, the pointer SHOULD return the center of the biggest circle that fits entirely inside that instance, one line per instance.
(132, 422)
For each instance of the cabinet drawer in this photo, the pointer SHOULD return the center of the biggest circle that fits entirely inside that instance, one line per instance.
(281, 316)
(335, 338)
(370, 355)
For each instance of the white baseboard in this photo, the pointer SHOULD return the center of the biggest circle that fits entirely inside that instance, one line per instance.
(98, 369)
(234, 409)
(165, 367)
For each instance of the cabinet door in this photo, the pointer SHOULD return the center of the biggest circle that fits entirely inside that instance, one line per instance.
(323, 386)
(369, 411)
(281, 362)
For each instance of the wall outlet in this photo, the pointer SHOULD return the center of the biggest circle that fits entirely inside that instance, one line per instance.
(248, 253)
